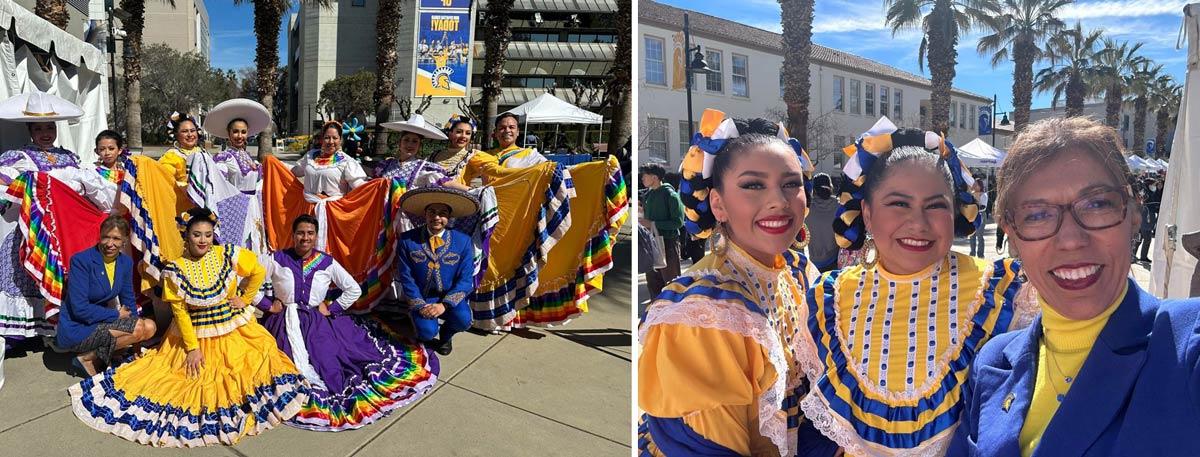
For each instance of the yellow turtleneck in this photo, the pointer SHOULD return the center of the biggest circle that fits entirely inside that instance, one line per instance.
(1064, 347)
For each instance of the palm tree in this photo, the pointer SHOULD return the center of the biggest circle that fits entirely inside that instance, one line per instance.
(1020, 31)
(946, 19)
(1073, 60)
(54, 12)
(387, 30)
(268, 14)
(132, 61)
(499, 34)
(1165, 100)
(1116, 63)
(620, 89)
(797, 48)
(1140, 88)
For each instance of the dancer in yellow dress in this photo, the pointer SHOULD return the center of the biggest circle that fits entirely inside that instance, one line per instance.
(218, 376)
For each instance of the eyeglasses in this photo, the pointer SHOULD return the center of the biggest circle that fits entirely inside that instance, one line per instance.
(1095, 211)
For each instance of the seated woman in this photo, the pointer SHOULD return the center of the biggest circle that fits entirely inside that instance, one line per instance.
(99, 316)
(357, 373)
(1108, 369)
(717, 374)
(218, 375)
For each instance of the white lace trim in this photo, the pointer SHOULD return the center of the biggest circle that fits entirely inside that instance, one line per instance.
(816, 410)
(1026, 307)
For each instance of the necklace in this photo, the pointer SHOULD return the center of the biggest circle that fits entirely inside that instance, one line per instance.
(1054, 363)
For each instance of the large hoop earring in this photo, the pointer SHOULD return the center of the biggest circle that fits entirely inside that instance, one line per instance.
(805, 238)
(722, 232)
(869, 250)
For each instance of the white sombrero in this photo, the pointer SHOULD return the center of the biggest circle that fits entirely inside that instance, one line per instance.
(460, 202)
(257, 118)
(417, 125)
(38, 106)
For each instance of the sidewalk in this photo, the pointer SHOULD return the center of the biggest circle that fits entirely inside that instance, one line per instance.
(563, 391)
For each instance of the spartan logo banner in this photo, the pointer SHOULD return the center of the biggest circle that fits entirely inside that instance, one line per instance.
(443, 54)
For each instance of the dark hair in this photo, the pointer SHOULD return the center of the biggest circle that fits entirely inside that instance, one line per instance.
(198, 215)
(753, 132)
(230, 124)
(654, 169)
(887, 162)
(115, 222)
(112, 135)
(179, 124)
(823, 186)
(514, 117)
(460, 120)
(334, 124)
(305, 219)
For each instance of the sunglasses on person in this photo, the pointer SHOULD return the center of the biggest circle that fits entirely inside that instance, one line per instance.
(1097, 210)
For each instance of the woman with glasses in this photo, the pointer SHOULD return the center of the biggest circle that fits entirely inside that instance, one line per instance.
(1107, 369)
(185, 132)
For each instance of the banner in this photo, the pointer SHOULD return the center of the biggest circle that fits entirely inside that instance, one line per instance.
(450, 4)
(443, 67)
(985, 120)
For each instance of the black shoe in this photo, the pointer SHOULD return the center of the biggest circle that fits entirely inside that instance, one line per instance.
(445, 348)
(1143, 259)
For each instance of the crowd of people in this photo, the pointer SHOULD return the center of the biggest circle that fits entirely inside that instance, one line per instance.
(881, 340)
(209, 296)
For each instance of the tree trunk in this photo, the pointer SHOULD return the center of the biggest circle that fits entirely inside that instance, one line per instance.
(1023, 51)
(1140, 106)
(620, 89)
(132, 61)
(1162, 121)
(53, 11)
(1112, 105)
(267, 17)
(942, 58)
(1075, 94)
(387, 28)
(499, 34)
(797, 48)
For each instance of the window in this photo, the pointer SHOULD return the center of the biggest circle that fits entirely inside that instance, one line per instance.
(358, 3)
(656, 71)
(870, 101)
(883, 100)
(971, 116)
(656, 142)
(855, 85)
(838, 143)
(953, 113)
(685, 141)
(714, 82)
(741, 76)
(898, 102)
(839, 93)
(1125, 122)
(962, 115)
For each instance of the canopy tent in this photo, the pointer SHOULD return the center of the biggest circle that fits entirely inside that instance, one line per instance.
(1173, 268)
(1136, 164)
(548, 109)
(46, 58)
(979, 154)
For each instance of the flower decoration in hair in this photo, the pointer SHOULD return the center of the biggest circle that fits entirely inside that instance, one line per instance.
(849, 228)
(456, 118)
(185, 218)
(351, 130)
(697, 165)
(177, 117)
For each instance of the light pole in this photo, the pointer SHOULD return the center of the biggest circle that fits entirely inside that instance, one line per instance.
(1002, 121)
(696, 65)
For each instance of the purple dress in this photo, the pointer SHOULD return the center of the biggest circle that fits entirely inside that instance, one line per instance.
(357, 371)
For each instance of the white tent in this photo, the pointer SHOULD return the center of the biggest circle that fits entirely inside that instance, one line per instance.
(1171, 273)
(76, 71)
(548, 109)
(979, 154)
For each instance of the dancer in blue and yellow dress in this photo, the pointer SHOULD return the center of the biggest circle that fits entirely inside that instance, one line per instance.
(889, 343)
(717, 374)
(218, 375)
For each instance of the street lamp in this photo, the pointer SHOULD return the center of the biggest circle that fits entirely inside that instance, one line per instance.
(697, 65)
(1003, 121)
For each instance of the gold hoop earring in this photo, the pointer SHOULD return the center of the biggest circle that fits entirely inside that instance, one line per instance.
(722, 241)
(806, 237)
(869, 250)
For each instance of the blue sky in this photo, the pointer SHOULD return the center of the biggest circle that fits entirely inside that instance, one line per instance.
(858, 27)
(233, 34)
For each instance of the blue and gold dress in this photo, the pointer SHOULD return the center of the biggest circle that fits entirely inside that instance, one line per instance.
(888, 355)
(717, 374)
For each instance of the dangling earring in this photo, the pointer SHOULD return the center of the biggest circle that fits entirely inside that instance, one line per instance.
(722, 232)
(805, 238)
(869, 250)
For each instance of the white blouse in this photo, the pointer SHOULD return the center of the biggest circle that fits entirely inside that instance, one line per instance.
(335, 178)
(283, 283)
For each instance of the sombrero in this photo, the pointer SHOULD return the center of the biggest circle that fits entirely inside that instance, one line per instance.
(460, 202)
(38, 106)
(417, 125)
(257, 118)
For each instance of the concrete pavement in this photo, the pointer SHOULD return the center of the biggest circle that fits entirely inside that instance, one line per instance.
(563, 391)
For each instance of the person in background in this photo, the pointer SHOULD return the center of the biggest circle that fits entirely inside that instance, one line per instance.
(979, 190)
(662, 206)
(822, 247)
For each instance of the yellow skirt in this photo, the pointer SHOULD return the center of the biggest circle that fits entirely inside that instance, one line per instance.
(246, 386)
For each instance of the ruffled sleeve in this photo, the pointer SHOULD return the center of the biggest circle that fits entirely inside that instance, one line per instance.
(174, 160)
(13, 163)
(353, 173)
(479, 165)
(248, 267)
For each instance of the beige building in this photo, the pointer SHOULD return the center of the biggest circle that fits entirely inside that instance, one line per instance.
(1097, 110)
(848, 93)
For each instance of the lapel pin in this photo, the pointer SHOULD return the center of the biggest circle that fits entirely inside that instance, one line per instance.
(1008, 401)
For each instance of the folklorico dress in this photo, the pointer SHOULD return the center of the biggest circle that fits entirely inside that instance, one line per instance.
(357, 373)
(239, 168)
(114, 175)
(456, 161)
(29, 306)
(176, 159)
(718, 373)
(888, 355)
(246, 384)
(331, 176)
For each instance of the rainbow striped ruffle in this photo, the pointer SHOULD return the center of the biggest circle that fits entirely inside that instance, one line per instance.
(406, 374)
(379, 273)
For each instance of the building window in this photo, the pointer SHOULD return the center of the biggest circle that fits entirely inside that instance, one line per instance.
(953, 114)
(838, 143)
(358, 2)
(685, 141)
(883, 100)
(870, 101)
(855, 86)
(839, 94)
(656, 71)
(898, 102)
(715, 80)
(974, 111)
(962, 115)
(656, 142)
(1125, 122)
(741, 76)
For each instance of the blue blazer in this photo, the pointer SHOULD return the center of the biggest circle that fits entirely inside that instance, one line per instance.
(456, 271)
(85, 303)
(1138, 393)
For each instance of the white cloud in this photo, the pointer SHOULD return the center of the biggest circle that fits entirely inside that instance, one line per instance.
(1122, 8)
